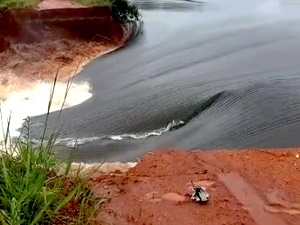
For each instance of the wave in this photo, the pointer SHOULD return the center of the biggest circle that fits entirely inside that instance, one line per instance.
(172, 126)
(156, 132)
(73, 142)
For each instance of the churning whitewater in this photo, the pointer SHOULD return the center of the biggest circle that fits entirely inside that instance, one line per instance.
(221, 74)
(21, 99)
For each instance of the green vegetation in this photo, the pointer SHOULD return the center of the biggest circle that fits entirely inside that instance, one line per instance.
(18, 3)
(33, 192)
(122, 10)
(94, 2)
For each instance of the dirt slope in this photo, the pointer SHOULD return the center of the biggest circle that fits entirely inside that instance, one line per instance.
(246, 187)
(59, 34)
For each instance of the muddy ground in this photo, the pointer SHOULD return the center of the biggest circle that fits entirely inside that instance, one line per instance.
(247, 187)
(41, 61)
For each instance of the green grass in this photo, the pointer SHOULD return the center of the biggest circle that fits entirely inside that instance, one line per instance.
(122, 10)
(94, 2)
(18, 3)
(33, 3)
(31, 190)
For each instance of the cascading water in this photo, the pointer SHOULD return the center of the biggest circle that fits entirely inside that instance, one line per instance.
(21, 99)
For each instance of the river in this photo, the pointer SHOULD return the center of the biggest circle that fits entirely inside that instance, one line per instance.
(218, 75)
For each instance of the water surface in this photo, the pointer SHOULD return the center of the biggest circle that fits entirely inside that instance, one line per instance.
(223, 74)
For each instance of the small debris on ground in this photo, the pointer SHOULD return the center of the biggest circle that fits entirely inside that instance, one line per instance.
(199, 194)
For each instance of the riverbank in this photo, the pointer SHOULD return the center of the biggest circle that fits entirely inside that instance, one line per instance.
(39, 42)
(37, 45)
(246, 187)
(55, 39)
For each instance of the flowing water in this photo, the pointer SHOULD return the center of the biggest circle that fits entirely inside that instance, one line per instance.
(222, 74)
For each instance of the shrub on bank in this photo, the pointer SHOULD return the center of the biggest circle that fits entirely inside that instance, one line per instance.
(124, 11)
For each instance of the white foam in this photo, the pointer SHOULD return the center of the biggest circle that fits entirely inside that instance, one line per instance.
(22, 100)
(156, 132)
(73, 142)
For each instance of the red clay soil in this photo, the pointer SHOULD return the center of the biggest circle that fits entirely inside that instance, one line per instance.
(35, 43)
(246, 187)
(42, 60)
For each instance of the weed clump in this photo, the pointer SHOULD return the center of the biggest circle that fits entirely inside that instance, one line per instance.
(31, 192)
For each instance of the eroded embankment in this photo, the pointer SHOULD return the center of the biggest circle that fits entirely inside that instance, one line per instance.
(30, 25)
(36, 43)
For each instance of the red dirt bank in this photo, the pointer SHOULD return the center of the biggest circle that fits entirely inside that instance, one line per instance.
(35, 43)
(246, 187)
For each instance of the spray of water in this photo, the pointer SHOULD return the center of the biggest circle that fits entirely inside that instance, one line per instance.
(20, 100)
